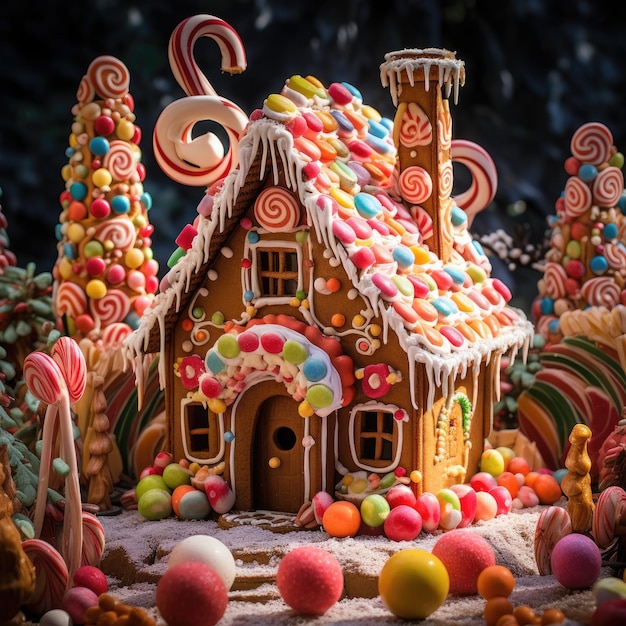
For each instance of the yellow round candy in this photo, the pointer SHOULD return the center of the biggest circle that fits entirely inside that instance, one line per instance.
(305, 409)
(75, 233)
(216, 405)
(66, 172)
(274, 462)
(65, 269)
(102, 177)
(376, 330)
(280, 104)
(95, 289)
(416, 477)
(358, 321)
(125, 130)
(73, 141)
(134, 258)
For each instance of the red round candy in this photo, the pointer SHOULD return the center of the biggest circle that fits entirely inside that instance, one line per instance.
(189, 590)
(95, 266)
(248, 342)
(310, 580)
(104, 125)
(574, 268)
(92, 578)
(272, 343)
(100, 208)
(403, 523)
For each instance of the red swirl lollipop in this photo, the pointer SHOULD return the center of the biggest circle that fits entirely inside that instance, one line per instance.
(43, 377)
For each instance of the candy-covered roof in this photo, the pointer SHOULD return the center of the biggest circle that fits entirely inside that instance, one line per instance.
(337, 153)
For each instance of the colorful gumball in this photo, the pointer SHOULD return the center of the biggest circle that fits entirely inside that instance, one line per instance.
(342, 519)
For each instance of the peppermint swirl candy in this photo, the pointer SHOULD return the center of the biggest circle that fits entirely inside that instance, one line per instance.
(415, 127)
(113, 307)
(276, 210)
(51, 576)
(611, 503)
(423, 220)
(554, 279)
(109, 76)
(120, 160)
(601, 291)
(70, 300)
(93, 540)
(553, 523)
(615, 255)
(114, 334)
(120, 231)
(444, 123)
(592, 143)
(446, 179)
(416, 185)
(85, 92)
(71, 362)
(608, 187)
(43, 377)
(577, 197)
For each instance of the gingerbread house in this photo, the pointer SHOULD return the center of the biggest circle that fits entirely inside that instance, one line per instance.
(332, 318)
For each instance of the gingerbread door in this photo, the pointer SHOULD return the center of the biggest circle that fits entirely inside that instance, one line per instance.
(278, 456)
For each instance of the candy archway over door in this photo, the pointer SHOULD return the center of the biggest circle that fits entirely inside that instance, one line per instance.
(278, 456)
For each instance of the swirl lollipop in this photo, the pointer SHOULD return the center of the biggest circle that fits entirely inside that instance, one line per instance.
(199, 161)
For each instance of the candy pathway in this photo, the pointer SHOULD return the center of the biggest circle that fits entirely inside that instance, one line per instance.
(137, 550)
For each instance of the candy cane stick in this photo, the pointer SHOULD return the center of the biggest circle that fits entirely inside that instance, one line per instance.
(180, 49)
(200, 161)
(482, 189)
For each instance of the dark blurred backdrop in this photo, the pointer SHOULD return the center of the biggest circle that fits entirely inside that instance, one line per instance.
(536, 70)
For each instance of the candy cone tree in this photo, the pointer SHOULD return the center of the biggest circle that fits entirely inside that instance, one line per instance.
(585, 265)
(105, 274)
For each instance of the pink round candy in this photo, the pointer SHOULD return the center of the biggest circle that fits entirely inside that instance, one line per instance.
(221, 497)
(486, 507)
(576, 561)
(504, 502)
(141, 304)
(76, 601)
(403, 523)
(248, 342)
(428, 507)
(116, 274)
(95, 266)
(363, 258)
(483, 481)
(272, 343)
(136, 280)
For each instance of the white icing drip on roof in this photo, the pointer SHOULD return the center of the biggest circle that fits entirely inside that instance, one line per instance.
(408, 61)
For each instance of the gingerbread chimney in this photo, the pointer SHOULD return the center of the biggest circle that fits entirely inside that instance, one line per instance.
(423, 135)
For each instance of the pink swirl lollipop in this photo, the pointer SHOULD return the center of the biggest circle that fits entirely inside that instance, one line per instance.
(43, 377)
(51, 576)
(415, 127)
(446, 180)
(602, 291)
(71, 362)
(109, 76)
(482, 189)
(615, 255)
(93, 540)
(120, 160)
(114, 334)
(592, 143)
(113, 307)
(119, 231)
(70, 299)
(553, 524)
(577, 197)
(276, 210)
(85, 92)
(608, 187)
(416, 185)
(180, 52)
(199, 161)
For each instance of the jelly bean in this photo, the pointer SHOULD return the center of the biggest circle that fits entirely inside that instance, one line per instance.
(403, 284)
(403, 257)
(445, 306)
(367, 205)
(458, 216)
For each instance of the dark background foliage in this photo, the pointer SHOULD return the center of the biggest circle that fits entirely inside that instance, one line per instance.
(536, 70)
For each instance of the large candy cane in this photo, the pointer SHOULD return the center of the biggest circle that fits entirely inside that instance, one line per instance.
(183, 39)
(482, 189)
(59, 380)
(200, 161)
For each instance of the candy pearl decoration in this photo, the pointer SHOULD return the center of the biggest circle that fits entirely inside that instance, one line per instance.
(310, 580)
(208, 550)
(189, 590)
(576, 561)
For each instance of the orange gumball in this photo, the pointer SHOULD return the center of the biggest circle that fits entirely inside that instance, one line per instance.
(547, 488)
(552, 616)
(509, 481)
(177, 496)
(518, 465)
(525, 615)
(495, 580)
(342, 519)
(495, 608)
(530, 478)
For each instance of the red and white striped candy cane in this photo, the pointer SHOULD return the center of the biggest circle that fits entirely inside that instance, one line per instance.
(200, 161)
(482, 189)
(180, 52)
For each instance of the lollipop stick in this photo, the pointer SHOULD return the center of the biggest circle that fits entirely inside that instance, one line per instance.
(44, 467)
